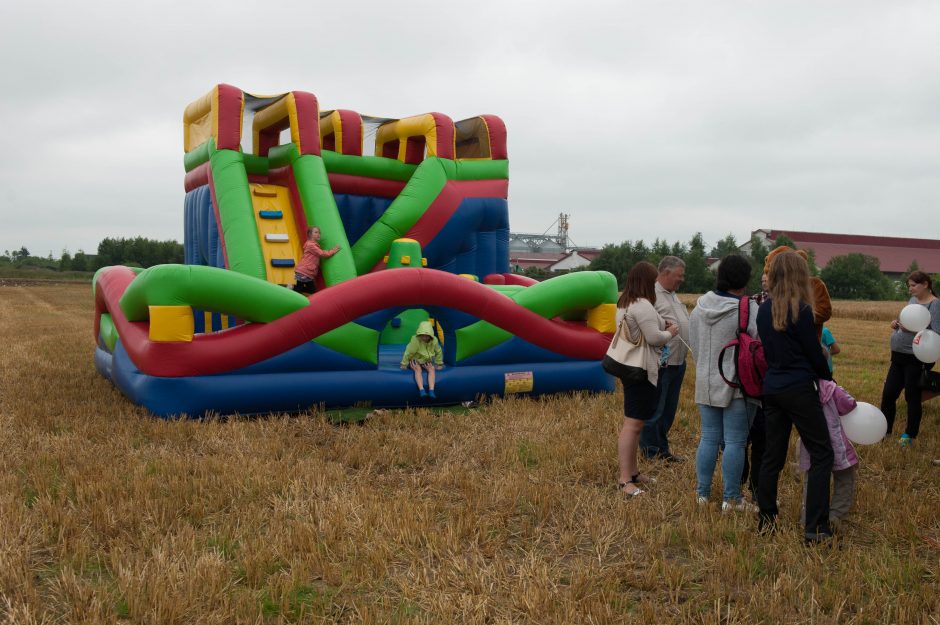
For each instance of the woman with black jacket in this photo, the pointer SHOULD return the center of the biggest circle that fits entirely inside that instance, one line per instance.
(791, 398)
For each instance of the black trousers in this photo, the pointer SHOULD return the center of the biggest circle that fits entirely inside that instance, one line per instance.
(800, 407)
(754, 453)
(903, 374)
(305, 286)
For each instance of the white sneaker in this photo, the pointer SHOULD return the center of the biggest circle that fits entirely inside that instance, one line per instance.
(738, 506)
(702, 501)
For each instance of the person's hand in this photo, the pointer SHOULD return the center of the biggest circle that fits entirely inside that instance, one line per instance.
(672, 328)
(335, 248)
(895, 324)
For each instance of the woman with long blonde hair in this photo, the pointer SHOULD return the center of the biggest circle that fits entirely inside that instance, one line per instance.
(791, 396)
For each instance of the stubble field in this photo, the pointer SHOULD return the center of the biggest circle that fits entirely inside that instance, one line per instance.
(507, 513)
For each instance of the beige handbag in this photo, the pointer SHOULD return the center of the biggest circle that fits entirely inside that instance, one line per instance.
(626, 359)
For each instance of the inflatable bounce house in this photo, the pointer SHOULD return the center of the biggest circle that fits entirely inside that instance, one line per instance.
(422, 228)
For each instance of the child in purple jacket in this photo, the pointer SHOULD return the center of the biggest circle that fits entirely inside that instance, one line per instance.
(835, 403)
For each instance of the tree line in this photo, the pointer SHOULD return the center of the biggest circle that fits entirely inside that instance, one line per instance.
(852, 276)
(618, 259)
(131, 252)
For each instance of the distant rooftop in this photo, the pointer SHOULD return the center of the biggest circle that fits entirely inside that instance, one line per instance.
(895, 254)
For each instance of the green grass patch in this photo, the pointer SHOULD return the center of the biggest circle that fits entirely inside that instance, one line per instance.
(358, 415)
(527, 454)
(298, 602)
(51, 275)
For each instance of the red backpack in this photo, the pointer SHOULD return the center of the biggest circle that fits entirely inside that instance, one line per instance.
(748, 356)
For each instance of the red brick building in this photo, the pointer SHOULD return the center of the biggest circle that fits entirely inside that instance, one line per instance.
(894, 253)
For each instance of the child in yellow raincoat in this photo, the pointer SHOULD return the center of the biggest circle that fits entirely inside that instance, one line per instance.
(423, 353)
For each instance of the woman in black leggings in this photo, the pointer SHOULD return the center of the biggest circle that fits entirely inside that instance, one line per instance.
(791, 397)
(905, 370)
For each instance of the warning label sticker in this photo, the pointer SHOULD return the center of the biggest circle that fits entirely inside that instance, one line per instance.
(519, 382)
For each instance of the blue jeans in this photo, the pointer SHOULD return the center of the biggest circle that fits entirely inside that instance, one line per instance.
(727, 427)
(653, 441)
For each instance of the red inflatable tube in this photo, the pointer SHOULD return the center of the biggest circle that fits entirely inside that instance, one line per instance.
(340, 304)
(514, 278)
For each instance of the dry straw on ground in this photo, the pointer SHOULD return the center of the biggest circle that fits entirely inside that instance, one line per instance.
(503, 514)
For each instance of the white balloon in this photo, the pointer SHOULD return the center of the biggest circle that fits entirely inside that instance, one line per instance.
(927, 346)
(865, 425)
(914, 317)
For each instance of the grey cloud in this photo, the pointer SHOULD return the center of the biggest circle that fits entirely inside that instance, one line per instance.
(640, 119)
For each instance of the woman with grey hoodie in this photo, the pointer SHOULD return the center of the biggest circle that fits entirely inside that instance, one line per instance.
(723, 409)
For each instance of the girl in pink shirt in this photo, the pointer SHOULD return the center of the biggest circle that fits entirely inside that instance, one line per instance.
(306, 272)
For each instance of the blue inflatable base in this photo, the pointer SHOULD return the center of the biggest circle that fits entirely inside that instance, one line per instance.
(251, 392)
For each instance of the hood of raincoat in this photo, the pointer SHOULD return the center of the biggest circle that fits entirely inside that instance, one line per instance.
(714, 308)
(843, 402)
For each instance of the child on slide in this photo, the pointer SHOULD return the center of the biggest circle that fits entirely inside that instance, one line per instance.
(305, 274)
(423, 353)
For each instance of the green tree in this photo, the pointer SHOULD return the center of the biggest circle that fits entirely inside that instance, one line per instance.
(641, 250)
(536, 273)
(727, 245)
(139, 251)
(618, 259)
(610, 259)
(811, 261)
(783, 239)
(110, 252)
(24, 260)
(856, 276)
(899, 290)
(698, 278)
(80, 262)
(659, 250)
(65, 261)
(757, 257)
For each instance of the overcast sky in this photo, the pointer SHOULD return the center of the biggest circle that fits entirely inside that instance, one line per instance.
(639, 119)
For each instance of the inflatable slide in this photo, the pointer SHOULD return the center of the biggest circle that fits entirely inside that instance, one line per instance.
(418, 210)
